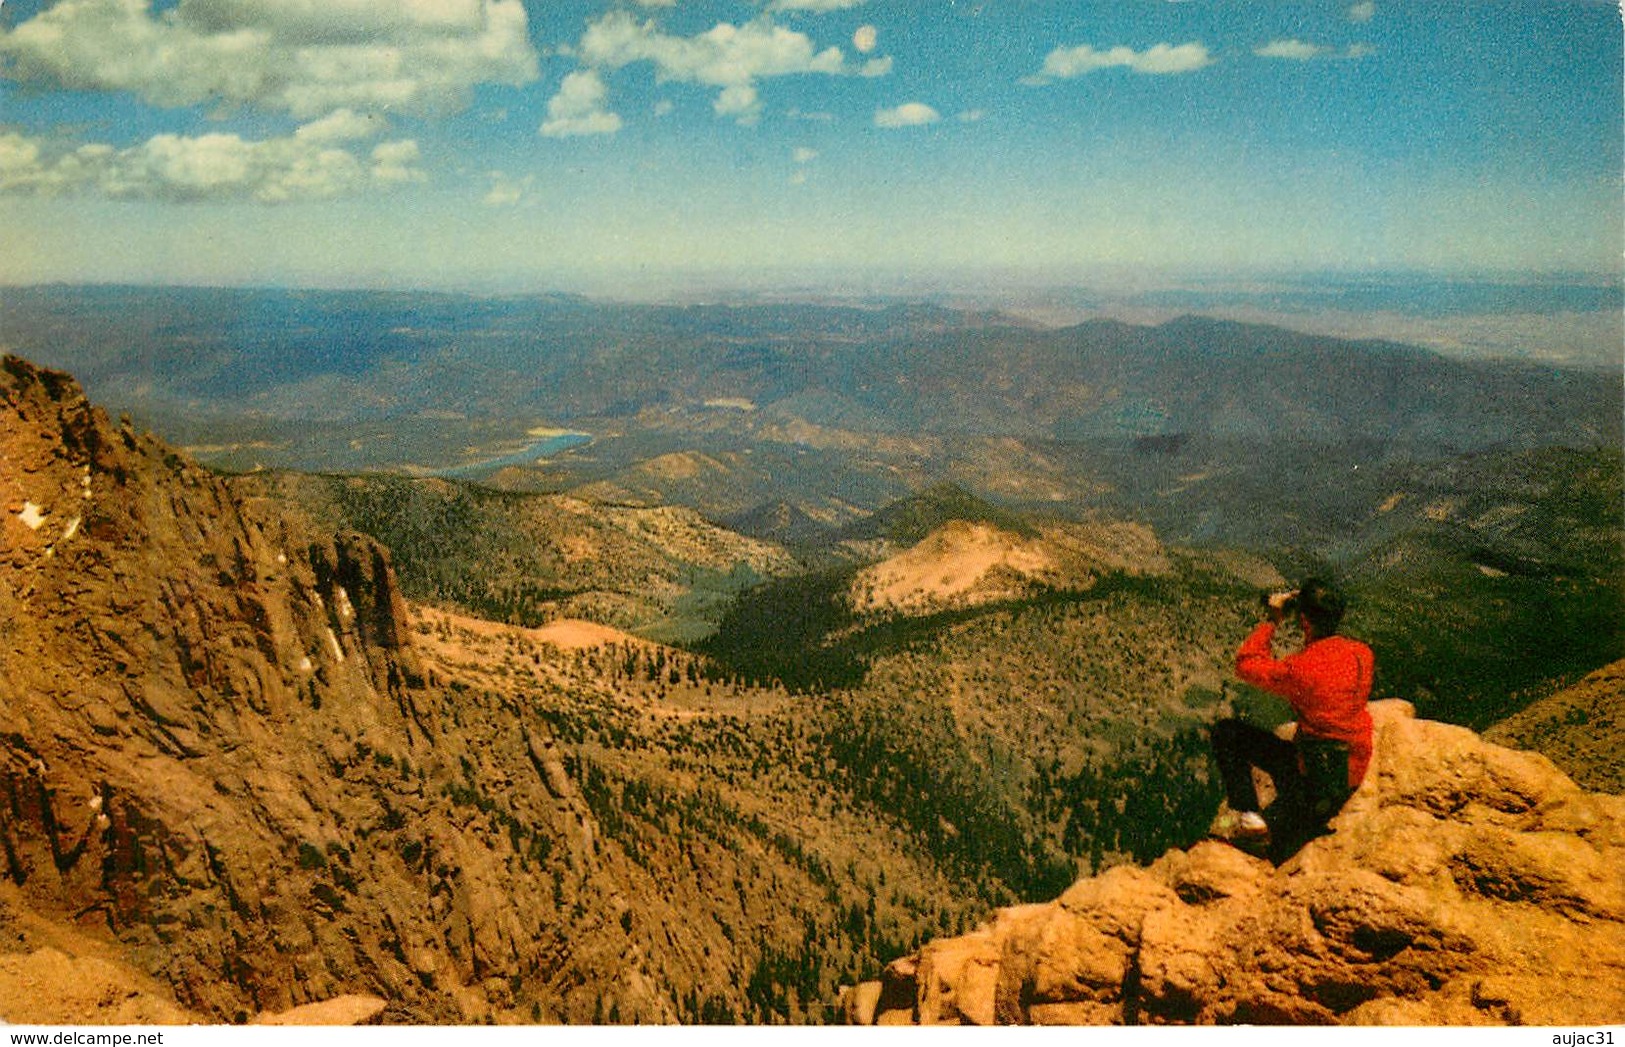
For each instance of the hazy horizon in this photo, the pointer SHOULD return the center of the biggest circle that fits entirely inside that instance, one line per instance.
(1566, 319)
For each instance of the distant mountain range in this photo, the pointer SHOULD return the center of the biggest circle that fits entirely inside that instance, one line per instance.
(244, 366)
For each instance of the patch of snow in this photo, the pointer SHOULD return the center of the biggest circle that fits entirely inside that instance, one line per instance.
(33, 515)
(304, 664)
(73, 528)
(333, 641)
(346, 609)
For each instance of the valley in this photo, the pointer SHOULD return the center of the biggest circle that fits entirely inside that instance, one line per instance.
(844, 628)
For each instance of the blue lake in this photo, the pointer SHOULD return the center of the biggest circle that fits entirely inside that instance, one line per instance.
(543, 448)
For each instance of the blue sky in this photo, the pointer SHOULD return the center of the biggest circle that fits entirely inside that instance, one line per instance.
(539, 144)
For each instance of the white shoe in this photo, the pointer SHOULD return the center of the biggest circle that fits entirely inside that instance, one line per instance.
(1239, 825)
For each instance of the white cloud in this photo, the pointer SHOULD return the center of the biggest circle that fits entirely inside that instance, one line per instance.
(505, 191)
(812, 5)
(505, 195)
(341, 126)
(971, 116)
(305, 57)
(1362, 12)
(909, 114)
(1302, 51)
(18, 156)
(739, 100)
(579, 108)
(1063, 63)
(802, 155)
(732, 58)
(876, 67)
(864, 39)
(202, 168)
(396, 162)
(1298, 50)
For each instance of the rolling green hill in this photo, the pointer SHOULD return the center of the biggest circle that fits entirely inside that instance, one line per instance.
(662, 572)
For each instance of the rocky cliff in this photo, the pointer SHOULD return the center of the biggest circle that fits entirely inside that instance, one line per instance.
(1464, 884)
(219, 752)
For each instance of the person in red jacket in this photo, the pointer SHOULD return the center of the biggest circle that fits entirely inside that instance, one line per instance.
(1327, 684)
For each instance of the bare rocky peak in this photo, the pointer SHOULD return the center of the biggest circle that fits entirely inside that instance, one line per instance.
(232, 763)
(218, 750)
(163, 644)
(1464, 884)
(963, 564)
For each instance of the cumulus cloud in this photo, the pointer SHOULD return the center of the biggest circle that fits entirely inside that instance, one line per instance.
(506, 191)
(396, 162)
(204, 168)
(909, 114)
(344, 125)
(1064, 63)
(305, 57)
(731, 58)
(819, 6)
(876, 67)
(1297, 50)
(802, 156)
(864, 39)
(1302, 51)
(1362, 12)
(580, 108)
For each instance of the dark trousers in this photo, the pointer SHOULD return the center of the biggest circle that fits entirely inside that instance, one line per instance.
(1310, 777)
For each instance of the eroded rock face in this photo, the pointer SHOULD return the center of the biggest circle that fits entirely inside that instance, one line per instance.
(217, 746)
(1464, 884)
(153, 627)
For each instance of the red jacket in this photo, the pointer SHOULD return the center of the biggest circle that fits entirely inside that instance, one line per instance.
(1327, 683)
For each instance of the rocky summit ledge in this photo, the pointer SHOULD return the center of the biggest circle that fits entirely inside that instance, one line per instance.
(1464, 884)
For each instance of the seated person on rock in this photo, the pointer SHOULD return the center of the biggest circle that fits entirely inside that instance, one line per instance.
(1327, 684)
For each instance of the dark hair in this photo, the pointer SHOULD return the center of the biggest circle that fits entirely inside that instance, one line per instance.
(1322, 604)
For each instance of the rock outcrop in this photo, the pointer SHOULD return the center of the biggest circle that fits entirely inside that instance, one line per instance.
(1464, 884)
(161, 645)
(964, 564)
(219, 750)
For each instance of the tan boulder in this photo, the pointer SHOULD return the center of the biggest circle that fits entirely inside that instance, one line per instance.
(340, 1010)
(1464, 884)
